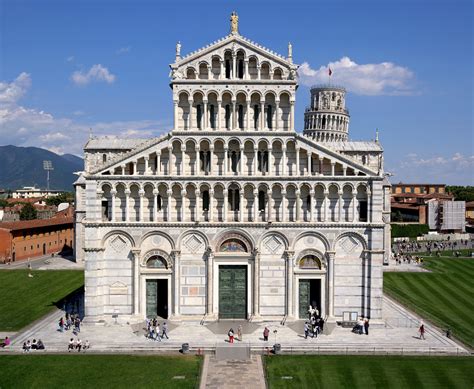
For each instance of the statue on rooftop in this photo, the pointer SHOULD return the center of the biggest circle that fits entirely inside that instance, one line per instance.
(234, 23)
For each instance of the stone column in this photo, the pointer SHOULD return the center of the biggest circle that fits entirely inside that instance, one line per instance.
(206, 116)
(262, 115)
(325, 205)
(312, 205)
(199, 206)
(170, 160)
(241, 205)
(297, 205)
(255, 161)
(210, 281)
(176, 273)
(369, 205)
(135, 170)
(330, 257)
(289, 282)
(283, 206)
(333, 168)
(241, 161)
(339, 203)
(211, 149)
(183, 204)
(219, 103)
(283, 161)
(190, 117)
(354, 201)
(292, 115)
(277, 114)
(297, 161)
(248, 114)
(222, 72)
(211, 205)
(127, 205)
(175, 110)
(158, 162)
(258, 71)
(147, 160)
(234, 115)
(246, 69)
(256, 283)
(271, 161)
(141, 194)
(234, 74)
(136, 281)
(155, 205)
(255, 205)
(123, 169)
(308, 153)
(226, 200)
(344, 170)
(113, 194)
(226, 162)
(197, 162)
(270, 205)
(169, 192)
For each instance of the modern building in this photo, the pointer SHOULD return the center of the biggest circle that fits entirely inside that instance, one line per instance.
(234, 214)
(20, 240)
(447, 216)
(418, 188)
(32, 191)
(413, 207)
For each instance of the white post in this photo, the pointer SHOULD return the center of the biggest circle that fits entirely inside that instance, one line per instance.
(242, 160)
(206, 121)
(312, 205)
(210, 266)
(255, 205)
(248, 115)
(219, 102)
(197, 162)
(211, 150)
(234, 115)
(226, 193)
(170, 160)
(331, 256)
(271, 162)
(175, 107)
(277, 114)
(241, 205)
(211, 205)
(262, 115)
(113, 194)
(283, 161)
(292, 115)
(141, 194)
(297, 211)
(354, 200)
(325, 205)
(155, 205)
(283, 205)
(269, 195)
(255, 161)
(339, 201)
(169, 192)
(256, 284)
(147, 159)
(226, 162)
(158, 162)
(297, 161)
(183, 204)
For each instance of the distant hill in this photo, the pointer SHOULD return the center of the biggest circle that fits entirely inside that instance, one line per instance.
(23, 166)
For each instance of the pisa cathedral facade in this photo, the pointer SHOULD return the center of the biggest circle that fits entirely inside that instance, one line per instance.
(234, 214)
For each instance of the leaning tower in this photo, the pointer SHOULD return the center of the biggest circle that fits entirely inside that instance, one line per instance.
(327, 119)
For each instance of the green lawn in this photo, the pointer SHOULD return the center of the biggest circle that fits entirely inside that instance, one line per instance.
(445, 296)
(24, 299)
(314, 371)
(98, 371)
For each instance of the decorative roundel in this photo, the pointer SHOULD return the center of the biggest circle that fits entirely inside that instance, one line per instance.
(156, 240)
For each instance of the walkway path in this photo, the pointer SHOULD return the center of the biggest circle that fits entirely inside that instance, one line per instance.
(232, 374)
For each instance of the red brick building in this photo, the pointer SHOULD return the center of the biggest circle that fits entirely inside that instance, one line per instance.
(21, 240)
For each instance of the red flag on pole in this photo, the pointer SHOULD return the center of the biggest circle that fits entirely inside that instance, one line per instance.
(330, 72)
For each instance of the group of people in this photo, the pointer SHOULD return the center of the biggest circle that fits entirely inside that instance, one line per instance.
(315, 323)
(153, 330)
(231, 334)
(72, 321)
(362, 326)
(76, 344)
(34, 345)
(407, 259)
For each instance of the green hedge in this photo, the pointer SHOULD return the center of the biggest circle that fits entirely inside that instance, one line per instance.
(409, 230)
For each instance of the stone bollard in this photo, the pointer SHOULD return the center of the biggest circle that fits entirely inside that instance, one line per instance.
(185, 348)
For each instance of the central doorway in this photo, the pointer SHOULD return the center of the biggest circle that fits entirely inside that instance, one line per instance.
(157, 298)
(233, 292)
(309, 293)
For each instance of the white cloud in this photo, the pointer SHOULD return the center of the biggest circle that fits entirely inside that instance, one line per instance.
(384, 78)
(124, 50)
(445, 169)
(70, 58)
(25, 126)
(96, 73)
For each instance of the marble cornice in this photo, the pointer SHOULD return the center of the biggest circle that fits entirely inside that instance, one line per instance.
(268, 226)
(255, 179)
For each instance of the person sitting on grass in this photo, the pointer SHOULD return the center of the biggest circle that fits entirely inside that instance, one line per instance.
(6, 342)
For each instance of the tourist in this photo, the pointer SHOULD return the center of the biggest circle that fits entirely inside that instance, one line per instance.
(26, 347)
(6, 342)
(68, 322)
(77, 324)
(164, 331)
(78, 345)
(360, 325)
(86, 345)
(315, 332)
(306, 330)
(70, 345)
(231, 335)
(266, 332)
(310, 312)
(239, 333)
(421, 330)
(34, 345)
(157, 332)
(61, 325)
(40, 345)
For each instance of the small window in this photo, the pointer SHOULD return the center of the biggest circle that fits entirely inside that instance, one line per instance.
(205, 200)
(261, 200)
(104, 158)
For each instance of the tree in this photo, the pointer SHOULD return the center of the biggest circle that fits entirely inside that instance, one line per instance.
(461, 193)
(28, 212)
(66, 197)
(3, 203)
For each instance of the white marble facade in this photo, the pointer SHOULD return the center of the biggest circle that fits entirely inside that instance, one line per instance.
(234, 184)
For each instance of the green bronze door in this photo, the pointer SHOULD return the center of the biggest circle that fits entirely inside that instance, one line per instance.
(304, 297)
(232, 292)
(151, 298)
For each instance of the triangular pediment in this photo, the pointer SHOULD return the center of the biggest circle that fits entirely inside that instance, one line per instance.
(233, 42)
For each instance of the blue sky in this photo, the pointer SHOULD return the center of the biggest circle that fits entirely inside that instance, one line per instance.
(66, 66)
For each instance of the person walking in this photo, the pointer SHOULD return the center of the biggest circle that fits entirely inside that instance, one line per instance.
(239, 333)
(421, 330)
(366, 326)
(306, 330)
(164, 331)
(231, 335)
(157, 332)
(61, 325)
(266, 332)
